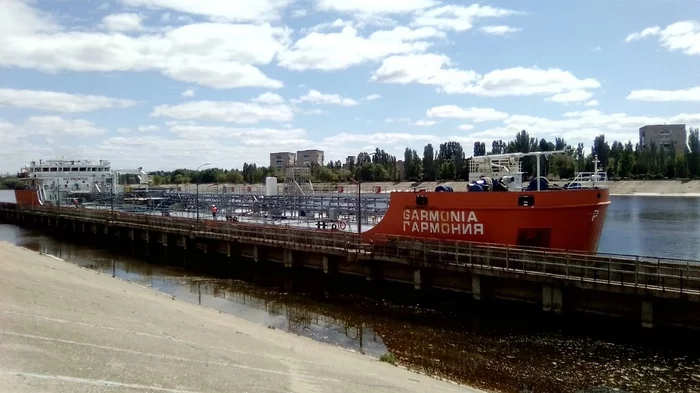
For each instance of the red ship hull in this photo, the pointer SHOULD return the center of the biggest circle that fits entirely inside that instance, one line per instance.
(27, 197)
(558, 219)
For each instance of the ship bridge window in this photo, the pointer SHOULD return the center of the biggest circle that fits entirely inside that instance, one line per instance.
(83, 169)
(54, 169)
(74, 169)
(44, 169)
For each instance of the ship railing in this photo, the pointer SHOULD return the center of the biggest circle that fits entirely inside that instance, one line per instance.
(642, 273)
(589, 180)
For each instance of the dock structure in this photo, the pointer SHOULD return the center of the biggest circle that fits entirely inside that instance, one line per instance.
(250, 204)
(651, 291)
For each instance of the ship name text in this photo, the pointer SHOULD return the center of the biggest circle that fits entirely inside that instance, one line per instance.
(74, 178)
(445, 222)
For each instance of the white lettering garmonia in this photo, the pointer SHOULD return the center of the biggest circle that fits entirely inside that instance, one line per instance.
(444, 222)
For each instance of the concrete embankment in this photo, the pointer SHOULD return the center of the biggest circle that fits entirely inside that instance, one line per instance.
(68, 329)
(689, 188)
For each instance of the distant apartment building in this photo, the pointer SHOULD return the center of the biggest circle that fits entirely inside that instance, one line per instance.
(282, 160)
(664, 135)
(349, 162)
(308, 157)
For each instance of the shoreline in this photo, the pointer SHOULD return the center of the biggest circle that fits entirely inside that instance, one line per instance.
(659, 195)
(658, 188)
(71, 307)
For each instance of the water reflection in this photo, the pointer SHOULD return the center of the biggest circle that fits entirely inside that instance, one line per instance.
(491, 349)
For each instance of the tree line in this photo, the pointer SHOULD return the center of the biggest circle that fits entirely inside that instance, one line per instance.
(450, 161)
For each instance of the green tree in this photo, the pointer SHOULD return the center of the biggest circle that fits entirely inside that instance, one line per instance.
(429, 170)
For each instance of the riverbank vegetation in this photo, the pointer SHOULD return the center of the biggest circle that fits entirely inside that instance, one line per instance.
(449, 161)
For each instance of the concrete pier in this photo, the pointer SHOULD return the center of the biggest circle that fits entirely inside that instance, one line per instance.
(68, 329)
(649, 292)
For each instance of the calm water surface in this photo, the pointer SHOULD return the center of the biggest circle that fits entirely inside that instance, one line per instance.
(497, 351)
(665, 227)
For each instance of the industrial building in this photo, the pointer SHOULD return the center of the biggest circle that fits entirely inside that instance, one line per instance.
(664, 135)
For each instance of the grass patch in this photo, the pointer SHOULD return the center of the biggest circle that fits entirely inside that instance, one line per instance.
(388, 358)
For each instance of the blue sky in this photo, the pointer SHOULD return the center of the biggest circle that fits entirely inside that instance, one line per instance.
(171, 83)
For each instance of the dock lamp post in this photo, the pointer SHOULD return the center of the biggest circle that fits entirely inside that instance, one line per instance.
(197, 182)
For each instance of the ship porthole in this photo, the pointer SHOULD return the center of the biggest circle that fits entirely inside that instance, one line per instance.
(598, 195)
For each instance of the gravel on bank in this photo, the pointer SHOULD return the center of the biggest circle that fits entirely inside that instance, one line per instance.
(64, 328)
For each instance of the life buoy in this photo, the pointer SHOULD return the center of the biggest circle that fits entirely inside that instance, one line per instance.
(343, 225)
(334, 226)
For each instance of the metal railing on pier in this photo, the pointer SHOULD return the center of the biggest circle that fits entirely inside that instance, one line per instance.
(642, 273)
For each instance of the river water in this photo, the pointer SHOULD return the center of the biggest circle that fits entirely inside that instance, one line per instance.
(475, 345)
(664, 227)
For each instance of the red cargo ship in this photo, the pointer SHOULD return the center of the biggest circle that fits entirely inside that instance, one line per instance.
(496, 208)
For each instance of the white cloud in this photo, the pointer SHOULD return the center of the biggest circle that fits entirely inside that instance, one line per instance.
(648, 32)
(435, 70)
(592, 103)
(122, 22)
(338, 23)
(59, 102)
(299, 13)
(475, 114)
(312, 112)
(316, 97)
(268, 98)
(228, 111)
(124, 130)
(378, 139)
(458, 17)
(149, 128)
(681, 36)
(684, 95)
(374, 6)
(406, 120)
(344, 49)
(425, 69)
(215, 55)
(499, 30)
(425, 123)
(235, 11)
(188, 93)
(18, 17)
(246, 136)
(571, 97)
(372, 97)
(55, 126)
(521, 81)
(466, 127)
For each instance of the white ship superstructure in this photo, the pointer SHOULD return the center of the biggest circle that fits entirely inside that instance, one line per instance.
(60, 179)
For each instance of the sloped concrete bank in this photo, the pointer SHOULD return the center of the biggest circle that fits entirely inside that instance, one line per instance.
(68, 329)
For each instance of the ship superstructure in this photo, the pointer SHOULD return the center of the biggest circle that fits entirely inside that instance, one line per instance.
(59, 180)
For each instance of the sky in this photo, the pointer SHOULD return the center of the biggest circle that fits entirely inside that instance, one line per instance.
(165, 84)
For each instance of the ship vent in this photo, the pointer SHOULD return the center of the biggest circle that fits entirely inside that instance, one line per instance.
(421, 200)
(526, 200)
